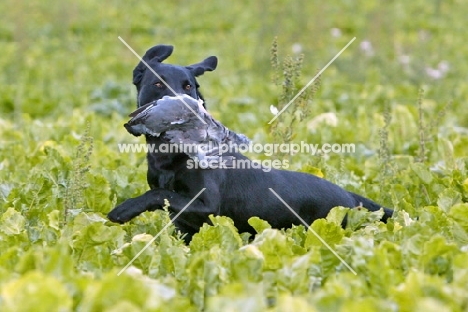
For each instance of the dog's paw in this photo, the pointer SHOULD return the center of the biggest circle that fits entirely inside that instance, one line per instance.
(124, 212)
(118, 216)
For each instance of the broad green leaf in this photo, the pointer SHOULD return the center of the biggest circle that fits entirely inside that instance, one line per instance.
(322, 230)
(312, 170)
(383, 268)
(12, 222)
(291, 277)
(368, 304)
(222, 233)
(54, 219)
(361, 216)
(112, 290)
(36, 291)
(258, 224)
(237, 297)
(98, 233)
(173, 258)
(275, 247)
(337, 214)
(459, 213)
(447, 199)
(422, 172)
(465, 185)
(291, 303)
(98, 198)
(438, 256)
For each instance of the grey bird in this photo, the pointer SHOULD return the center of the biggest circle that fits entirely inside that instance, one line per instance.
(183, 120)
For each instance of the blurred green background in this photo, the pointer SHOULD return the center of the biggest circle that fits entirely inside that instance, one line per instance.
(57, 55)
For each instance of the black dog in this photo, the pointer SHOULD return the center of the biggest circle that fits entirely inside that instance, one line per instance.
(235, 193)
(150, 88)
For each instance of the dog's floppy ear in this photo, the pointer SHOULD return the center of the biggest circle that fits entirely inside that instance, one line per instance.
(159, 53)
(208, 64)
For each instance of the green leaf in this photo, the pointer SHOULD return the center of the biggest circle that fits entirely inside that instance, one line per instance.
(98, 233)
(54, 219)
(438, 256)
(312, 170)
(98, 198)
(321, 229)
(465, 185)
(12, 222)
(223, 233)
(459, 213)
(422, 172)
(113, 290)
(337, 214)
(258, 224)
(172, 258)
(275, 247)
(448, 198)
(36, 291)
(360, 216)
(238, 297)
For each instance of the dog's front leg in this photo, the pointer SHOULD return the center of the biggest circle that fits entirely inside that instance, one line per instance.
(202, 206)
(132, 207)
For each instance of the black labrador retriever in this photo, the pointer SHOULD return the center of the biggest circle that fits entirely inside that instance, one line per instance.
(235, 193)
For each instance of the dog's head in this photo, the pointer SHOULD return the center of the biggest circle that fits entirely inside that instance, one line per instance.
(181, 79)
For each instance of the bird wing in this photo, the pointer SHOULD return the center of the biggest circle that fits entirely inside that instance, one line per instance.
(221, 134)
(176, 123)
(141, 109)
(162, 115)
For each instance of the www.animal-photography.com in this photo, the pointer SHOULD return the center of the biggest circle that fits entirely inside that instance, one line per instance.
(233, 156)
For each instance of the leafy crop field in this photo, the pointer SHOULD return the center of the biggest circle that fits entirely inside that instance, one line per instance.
(399, 92)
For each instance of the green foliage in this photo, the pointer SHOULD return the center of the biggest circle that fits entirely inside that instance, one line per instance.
(66, 90)
(287, 74)
(74, 197)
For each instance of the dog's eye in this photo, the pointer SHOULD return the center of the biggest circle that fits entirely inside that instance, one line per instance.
(158, 84)
(188, 87)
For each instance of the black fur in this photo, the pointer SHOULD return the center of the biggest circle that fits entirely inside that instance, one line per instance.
(150, 87)
(235, 193)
